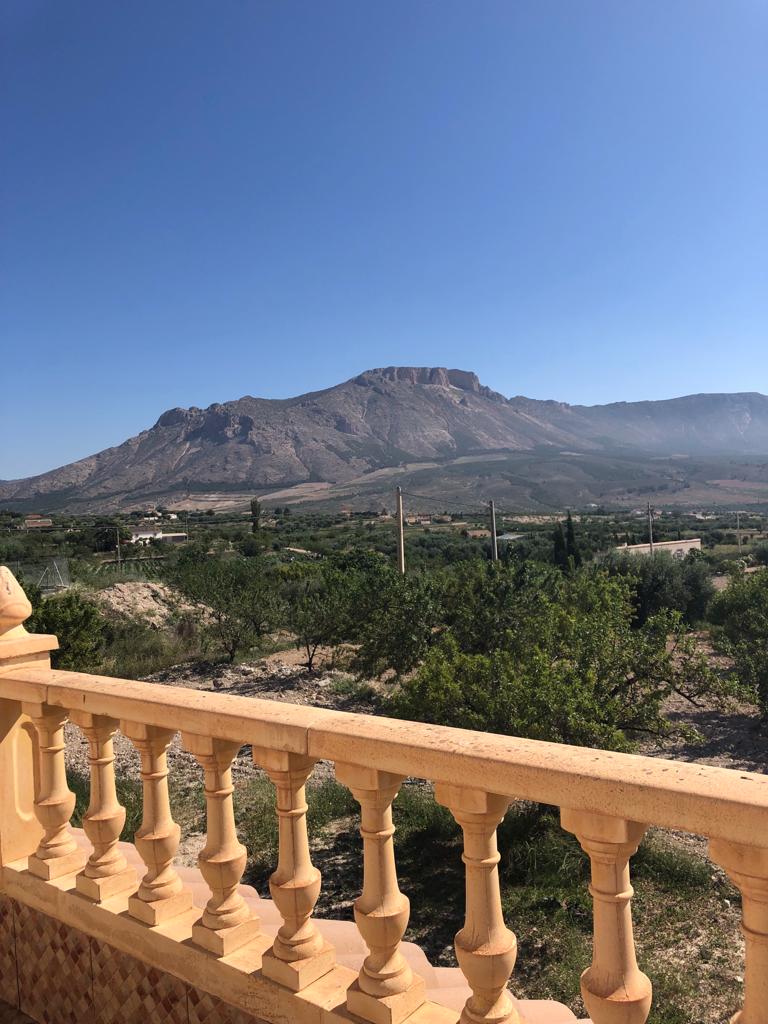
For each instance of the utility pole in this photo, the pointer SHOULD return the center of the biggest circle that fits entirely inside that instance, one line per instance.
(400, 536)
(494, 542)
(117, 534)
(650, 528)
(738, 530)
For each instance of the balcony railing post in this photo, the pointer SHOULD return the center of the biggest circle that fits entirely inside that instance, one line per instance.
(57, 853)
(299, 955)
(20, 830)
(485, 948)
(106, 873)
(614, 989)
(227, 922)
(386, 991)
(161, 894)
(747, 866)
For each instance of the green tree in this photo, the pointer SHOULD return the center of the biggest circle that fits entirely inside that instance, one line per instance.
(402, 619)
(317, 604)
(740, 615)
(105, 534)
(560, 548)
(481, 601)
(255, 515)
(238, 602)
(684, 585)
(79, 626)
(571, 546)
(570, 667)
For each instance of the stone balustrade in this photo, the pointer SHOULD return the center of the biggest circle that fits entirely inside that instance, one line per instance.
(607, 800)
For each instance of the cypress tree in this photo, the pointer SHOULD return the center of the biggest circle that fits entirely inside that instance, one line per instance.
(255, 515)
(571, 547)
(560, 549)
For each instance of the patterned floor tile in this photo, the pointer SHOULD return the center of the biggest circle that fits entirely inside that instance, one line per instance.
(128, 991)
(54, 969)
(9, 988)
(12, 1015)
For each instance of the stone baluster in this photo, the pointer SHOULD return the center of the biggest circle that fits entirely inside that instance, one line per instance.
(227, 922)
(106, 872)
(299, 955)
(747, 867)
(614, 989)
(386, 991)
(161, 894)
(57, 853)
(485, 948)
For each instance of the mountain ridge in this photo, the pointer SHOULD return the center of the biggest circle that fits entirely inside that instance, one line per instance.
(383, 418)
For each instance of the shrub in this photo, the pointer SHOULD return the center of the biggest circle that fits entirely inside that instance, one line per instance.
(569, 666)
(403, 617)
(664, 582)
(79, 627)
(235, 596)
(740, 615)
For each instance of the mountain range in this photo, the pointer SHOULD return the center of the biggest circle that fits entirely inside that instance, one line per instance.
(435, 429)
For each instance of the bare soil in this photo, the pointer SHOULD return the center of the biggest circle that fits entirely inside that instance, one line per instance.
(155, 602)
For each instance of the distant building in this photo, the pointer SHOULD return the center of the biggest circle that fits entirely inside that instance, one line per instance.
(37, 522)
(145, 534)
(676, 548)
(478, 533)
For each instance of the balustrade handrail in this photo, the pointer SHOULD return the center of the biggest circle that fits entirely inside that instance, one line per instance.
(719, 803)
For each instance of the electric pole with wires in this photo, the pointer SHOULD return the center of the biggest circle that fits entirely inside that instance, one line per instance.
(494, 541)
(400, 533)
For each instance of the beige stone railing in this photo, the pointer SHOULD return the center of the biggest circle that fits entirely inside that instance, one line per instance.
(606, 799)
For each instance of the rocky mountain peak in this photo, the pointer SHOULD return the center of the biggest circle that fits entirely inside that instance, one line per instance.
(436, 375)
(384, 418)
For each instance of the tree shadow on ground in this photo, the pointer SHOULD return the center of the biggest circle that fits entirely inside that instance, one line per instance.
(734, 739)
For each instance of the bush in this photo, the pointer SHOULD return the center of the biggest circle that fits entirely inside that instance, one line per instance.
(563, 662)
(664, 582)
(403, 616)
(740, 615)
(317, 609)
(237, 600)
(79, 627)
(134, 648)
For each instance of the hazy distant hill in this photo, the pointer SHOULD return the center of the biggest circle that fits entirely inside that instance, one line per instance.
(406, 420)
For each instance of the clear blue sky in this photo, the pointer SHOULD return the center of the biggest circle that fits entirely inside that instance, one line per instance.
(211, 198)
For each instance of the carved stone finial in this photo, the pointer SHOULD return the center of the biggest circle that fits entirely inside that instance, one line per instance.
(14, 603)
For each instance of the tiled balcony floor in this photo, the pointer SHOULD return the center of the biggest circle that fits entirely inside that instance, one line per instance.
(10, 1015)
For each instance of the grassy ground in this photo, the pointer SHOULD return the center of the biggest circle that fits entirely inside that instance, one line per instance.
(686, 913)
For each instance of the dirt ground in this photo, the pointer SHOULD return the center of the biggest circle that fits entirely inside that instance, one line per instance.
(729, 739)
(146, 599)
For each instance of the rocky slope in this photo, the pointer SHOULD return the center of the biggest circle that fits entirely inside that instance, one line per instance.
(384, 418)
